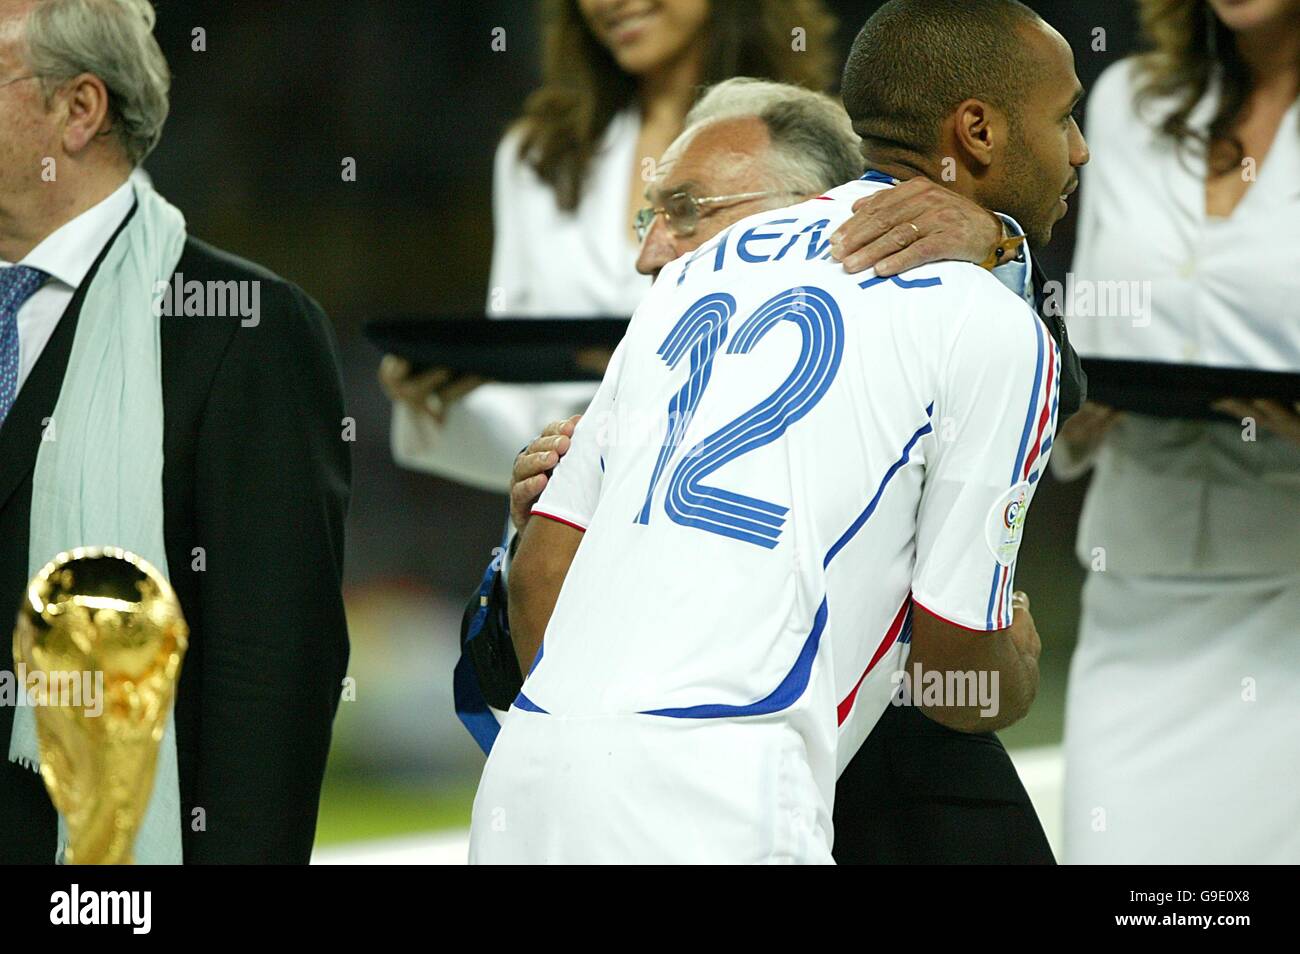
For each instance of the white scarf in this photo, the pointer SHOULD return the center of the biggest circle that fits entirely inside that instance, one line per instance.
(98, 479)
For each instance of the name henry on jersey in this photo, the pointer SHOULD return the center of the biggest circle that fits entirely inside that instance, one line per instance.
(771, 242)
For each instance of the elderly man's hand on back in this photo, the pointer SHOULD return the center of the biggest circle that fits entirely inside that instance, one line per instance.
(914, 224)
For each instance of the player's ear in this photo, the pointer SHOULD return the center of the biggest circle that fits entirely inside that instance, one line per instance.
(977, 130)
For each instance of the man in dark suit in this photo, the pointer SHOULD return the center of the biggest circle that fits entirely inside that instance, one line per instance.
(256, 469)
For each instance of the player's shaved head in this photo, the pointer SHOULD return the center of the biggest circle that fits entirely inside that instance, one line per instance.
(915, 60)
(976, 95)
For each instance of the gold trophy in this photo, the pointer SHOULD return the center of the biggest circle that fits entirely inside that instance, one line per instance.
(108, 613)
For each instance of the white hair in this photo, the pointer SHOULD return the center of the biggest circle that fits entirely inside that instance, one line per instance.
(814, 147)
(111, 39)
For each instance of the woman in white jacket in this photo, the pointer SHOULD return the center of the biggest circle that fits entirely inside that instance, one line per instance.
(618, 79)
(1183, 710)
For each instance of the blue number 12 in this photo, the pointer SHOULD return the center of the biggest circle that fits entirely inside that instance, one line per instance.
(688, 500)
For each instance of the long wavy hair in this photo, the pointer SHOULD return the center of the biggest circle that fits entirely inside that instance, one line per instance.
(1189, 44)
(583, 88)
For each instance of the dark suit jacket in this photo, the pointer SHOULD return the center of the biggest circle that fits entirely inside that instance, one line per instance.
(1074, 382)
(255, 473)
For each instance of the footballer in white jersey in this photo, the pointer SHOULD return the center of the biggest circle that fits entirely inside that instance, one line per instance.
(782, 460)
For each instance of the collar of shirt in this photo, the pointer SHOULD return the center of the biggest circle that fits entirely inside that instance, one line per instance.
(875, 175)
(67, 253)
(1017, 274)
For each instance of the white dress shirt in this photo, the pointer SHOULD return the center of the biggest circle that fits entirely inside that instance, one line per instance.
(545, 262)
(66, 256)
(1188, 498)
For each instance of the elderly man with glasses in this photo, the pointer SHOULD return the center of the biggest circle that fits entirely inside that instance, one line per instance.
(751, 145)
(682, 210)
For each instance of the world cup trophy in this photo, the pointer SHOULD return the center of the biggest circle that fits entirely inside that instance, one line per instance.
(109, 614)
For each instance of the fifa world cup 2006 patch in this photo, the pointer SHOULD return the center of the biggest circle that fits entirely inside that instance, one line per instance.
(1005, 523)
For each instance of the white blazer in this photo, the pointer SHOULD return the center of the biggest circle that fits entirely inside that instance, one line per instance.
(545, 261)
(1177, 498)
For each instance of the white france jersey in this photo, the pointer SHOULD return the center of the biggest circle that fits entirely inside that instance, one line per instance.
(782, 459)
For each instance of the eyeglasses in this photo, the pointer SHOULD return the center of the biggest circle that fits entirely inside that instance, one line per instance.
(681, 211)
(18, 79)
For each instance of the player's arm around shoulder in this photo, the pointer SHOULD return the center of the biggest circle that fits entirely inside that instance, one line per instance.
(1006, 658)
(994, 417)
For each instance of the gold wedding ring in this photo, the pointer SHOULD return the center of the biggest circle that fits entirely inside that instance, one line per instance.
(903, 242)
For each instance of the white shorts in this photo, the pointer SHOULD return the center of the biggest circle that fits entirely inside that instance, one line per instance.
(648, 790)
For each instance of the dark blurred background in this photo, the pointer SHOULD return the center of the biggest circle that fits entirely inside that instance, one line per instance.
(262, 121)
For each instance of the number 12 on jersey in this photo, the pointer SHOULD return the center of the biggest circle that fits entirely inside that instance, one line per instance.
(702, 331)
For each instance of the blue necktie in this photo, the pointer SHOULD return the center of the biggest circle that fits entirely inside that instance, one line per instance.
(17, 284)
